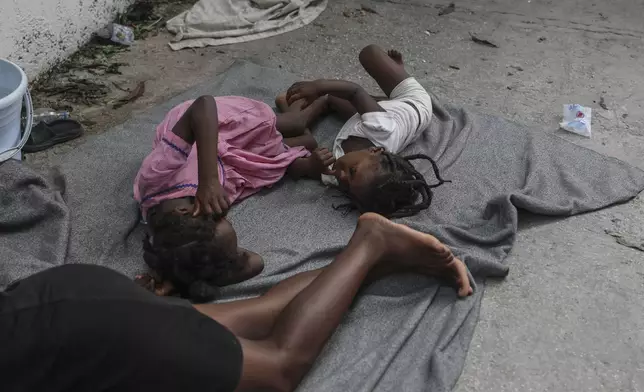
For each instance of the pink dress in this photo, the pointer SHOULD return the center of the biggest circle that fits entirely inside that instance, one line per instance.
(252, 154)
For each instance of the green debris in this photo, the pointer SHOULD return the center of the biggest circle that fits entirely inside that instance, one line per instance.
(78, 91)
(84, 77)
(147, 17)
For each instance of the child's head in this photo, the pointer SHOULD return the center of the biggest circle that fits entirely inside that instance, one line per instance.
(386, 183)
(197, 253)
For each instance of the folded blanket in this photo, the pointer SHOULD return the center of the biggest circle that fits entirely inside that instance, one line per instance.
(34, 222)
(223, 22)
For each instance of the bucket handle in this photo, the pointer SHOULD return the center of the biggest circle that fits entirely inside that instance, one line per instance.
(9, 153)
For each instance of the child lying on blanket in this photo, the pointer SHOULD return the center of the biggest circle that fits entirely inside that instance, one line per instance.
(367, 166)
(184, 189)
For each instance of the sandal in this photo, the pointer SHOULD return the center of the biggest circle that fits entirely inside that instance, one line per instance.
(46, 135)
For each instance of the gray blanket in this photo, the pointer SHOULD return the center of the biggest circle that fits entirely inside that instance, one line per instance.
(405, 333)
(34, 221)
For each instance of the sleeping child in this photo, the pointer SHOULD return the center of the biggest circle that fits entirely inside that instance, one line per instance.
(207, 154)
(368, 167)
(212, 152)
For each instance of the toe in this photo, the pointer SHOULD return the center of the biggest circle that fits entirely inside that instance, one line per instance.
(394, 54)
(280, 102)
(462, 279)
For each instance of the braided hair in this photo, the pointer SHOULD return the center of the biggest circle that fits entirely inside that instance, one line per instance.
(395, 190)
(185, 250)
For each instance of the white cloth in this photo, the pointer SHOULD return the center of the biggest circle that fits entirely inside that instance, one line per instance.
(408, 114)
(223, 22)
(396, 128)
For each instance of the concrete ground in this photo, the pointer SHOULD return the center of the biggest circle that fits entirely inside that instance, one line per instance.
(570, 316)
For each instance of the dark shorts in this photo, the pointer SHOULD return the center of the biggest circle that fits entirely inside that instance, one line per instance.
(88, 328)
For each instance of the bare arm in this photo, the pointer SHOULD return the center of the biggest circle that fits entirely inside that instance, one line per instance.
(200, 124)
(344, 108)
(352, 92)
(312, 166)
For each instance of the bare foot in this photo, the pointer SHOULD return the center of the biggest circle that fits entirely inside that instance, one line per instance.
(418, 251)
(281, 103)
(284, 107)
(396, 56)
(148, 282)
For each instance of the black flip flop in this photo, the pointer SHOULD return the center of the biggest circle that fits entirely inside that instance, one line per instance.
(46, 135)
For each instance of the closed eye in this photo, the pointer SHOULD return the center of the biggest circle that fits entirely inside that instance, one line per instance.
(352, 172)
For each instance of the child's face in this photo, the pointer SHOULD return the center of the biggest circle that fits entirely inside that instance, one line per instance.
(357, 169)
(250, 263)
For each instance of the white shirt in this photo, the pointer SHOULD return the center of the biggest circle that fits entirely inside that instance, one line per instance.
(408, 113)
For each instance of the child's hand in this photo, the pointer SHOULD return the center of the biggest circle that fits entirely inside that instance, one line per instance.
(210, 199)
(321, 159)
(307, 91)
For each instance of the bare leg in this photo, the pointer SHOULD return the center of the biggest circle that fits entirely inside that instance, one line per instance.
(300, 329)
(386, 68)
(295, 121)
(305, 140)
(343, 108)
(254, 318)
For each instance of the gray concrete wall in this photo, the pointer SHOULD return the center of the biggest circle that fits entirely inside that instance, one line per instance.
(38, 33)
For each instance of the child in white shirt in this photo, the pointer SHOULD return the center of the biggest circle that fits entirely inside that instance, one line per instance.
(364, 158)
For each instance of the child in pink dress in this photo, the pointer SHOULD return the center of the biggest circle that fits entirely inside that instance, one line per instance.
(207, 154)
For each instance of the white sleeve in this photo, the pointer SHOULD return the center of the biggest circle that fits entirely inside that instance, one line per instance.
(329, 180)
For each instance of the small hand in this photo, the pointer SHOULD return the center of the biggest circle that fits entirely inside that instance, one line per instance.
(210, 199)
(308, 91)
(321, 159)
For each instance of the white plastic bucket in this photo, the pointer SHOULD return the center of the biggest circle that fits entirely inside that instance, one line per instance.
(13, 92)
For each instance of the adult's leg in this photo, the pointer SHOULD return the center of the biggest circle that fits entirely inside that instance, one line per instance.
(254, 318)
(386, 68)
(299, 331)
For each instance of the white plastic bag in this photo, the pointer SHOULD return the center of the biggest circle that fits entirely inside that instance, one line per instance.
(117, 33)
(122, 34)
(576, 119)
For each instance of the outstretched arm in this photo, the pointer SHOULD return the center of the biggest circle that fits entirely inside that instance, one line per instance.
(200, 124)
(312, 166)
(352, 92)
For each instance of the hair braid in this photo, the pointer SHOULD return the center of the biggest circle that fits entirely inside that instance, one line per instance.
(396, 189)
(185, 251)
